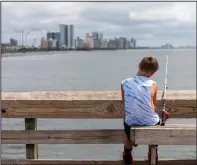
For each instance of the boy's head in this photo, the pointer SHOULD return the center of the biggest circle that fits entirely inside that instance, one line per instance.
(148, 66)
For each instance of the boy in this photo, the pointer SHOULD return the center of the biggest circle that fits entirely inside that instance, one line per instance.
(139, 94)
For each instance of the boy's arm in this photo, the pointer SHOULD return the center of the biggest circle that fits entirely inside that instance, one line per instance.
(122, 101)
(155, 89)
(155, 95)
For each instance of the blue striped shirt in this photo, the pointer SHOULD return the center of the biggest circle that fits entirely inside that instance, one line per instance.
(137, 101)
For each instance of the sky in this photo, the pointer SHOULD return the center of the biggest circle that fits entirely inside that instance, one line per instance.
(150, 23)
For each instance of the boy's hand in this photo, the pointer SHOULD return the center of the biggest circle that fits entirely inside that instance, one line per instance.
(167, 114)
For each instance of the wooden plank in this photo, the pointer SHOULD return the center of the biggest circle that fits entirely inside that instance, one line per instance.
(90, 95)
(92, 162)
(176, 134)
(31, 149)
(87, 105)
(108, 136)
(164, 135)
(153, 152)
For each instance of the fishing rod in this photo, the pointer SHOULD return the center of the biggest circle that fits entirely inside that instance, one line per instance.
(163, 119)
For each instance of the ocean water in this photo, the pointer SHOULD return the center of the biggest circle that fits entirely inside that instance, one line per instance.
(92, 70)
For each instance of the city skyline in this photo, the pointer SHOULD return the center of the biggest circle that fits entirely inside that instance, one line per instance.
(151, 24)
(65, 39)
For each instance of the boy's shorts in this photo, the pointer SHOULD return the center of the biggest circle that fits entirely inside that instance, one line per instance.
(127, 129)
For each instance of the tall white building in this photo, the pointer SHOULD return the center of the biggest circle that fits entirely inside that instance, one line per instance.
(67, 36)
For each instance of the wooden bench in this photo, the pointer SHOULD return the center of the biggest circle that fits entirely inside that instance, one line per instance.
(98, 104)
(170, 134)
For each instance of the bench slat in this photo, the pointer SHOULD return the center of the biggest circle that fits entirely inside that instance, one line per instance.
(176, 134)
(164, 135)
(93, 162)
(109, 136)
(85, 109)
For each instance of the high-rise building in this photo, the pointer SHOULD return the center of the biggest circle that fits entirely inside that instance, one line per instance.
(117, 45)
(95, 35)
(97, 44)
(89, 41)
(98, 39)
(134, 44)
(121, 43)
(44, 43)
(53, 35)
(104, 44)
(79, 43)
(100, 36)
(67, 36)
(13, 42)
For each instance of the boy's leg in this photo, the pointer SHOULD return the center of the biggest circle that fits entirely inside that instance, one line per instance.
(127, 153)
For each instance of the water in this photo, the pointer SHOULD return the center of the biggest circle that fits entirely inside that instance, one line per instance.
(94, 70)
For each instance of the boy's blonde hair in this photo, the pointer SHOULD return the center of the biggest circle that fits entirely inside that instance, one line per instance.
(149, 64)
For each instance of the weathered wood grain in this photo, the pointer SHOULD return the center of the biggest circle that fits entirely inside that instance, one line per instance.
(31, 149)
(92, 162)
(164, 135)
(86, 105)
(153, 152)
(110, 136)
(90, 95)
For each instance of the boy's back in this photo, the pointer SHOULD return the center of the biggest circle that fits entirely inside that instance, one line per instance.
(138, 101)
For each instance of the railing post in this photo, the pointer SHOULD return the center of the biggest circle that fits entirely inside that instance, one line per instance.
(153, 153)
(31, 149)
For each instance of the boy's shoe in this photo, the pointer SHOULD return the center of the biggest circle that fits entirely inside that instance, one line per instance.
(128, 158)
(149, 158)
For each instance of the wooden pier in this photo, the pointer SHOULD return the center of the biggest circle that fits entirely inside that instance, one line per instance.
(92, 104)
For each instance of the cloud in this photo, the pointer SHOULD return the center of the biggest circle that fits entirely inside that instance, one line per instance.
(175, 12)
(151, 23)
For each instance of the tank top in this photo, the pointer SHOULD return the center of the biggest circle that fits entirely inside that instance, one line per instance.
(137, 101)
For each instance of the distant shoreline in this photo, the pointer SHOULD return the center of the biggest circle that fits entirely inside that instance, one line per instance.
(3, 54)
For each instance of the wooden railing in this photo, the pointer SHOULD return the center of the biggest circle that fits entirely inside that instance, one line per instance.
(97, 104)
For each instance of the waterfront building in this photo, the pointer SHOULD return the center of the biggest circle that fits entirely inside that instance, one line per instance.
(49, 44)
(133, 43)
(124, 41)
(13, 42)
(42, 43)
(95, 35)
(79, 43)
(129, 44)
(111, 44)
(55, 44)
(98, 38)
(46, 44)
(67, 36)
(89, 41)
(97, 44)
(53, 35)
(167, 46)
(121, 43)
(104, 44)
